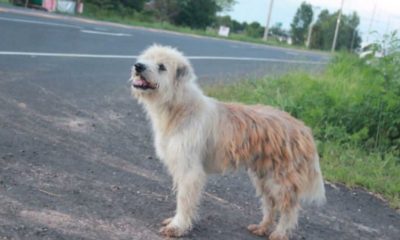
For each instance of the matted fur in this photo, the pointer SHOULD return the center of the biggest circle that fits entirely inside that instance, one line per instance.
(195, 135)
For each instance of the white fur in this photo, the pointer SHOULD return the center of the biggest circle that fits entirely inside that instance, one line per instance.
(181, 150)
(187, 144)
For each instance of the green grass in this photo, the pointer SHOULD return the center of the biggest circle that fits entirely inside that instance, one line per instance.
(353, 108)
(351, 165)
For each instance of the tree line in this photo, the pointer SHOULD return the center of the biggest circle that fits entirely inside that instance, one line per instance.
(324, 28)
(198, 14)
(188, 13)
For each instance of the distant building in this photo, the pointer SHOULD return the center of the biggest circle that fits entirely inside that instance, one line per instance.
(66, 6)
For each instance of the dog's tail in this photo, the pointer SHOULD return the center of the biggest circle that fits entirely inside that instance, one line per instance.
(315, 193)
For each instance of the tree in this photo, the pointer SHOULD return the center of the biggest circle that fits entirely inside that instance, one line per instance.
(225, 5)
(348, 38)
(223, 20)
(254, 30)
(166, 10)
(277, 30)
(196, 14)
(118, 5)
(133, 4)
(237, 27)
(323, 31)
(301, 23)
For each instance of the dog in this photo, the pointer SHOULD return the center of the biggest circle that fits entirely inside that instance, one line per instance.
(195, 135)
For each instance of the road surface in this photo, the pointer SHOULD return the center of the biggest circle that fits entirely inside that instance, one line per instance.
(76, 154)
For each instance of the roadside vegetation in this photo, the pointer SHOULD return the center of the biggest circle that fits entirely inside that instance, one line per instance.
(353, 108)
(164, 15)
(205, 17)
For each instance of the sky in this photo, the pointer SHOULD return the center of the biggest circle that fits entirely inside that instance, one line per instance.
(387, 13)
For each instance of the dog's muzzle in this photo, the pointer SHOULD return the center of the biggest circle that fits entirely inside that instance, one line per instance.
(139, 80)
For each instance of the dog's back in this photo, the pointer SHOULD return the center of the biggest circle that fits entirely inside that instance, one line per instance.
(274, 145)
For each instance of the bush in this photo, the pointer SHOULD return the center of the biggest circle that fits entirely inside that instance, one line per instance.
(123, 15)
(117, 5)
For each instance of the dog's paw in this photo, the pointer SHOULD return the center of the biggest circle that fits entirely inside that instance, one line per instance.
(172, 231)
(278, 236)
(166, 221)
(258, 229)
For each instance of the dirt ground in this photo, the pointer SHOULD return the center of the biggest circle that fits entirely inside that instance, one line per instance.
(72, 172)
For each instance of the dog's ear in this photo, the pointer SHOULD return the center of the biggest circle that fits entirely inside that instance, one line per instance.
(182, 73)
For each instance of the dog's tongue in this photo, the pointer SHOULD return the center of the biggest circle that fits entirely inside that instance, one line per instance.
(140, 81)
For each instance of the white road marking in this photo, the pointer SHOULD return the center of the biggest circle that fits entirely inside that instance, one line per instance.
(254, 59)
(235, 46)
(226, 58)
(106, 33)
(62, 25)
(72, 55)
(292, 53)
(38, 22)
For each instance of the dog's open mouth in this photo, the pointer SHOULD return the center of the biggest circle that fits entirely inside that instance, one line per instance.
(142, 83)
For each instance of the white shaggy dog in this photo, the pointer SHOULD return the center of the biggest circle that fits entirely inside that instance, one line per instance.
(196, 135)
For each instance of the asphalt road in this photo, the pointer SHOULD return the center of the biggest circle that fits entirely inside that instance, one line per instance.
(76, 154)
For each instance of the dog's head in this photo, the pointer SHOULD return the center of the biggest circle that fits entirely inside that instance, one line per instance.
(160, 72)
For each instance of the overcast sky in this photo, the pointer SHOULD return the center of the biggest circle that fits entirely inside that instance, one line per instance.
(387, 14)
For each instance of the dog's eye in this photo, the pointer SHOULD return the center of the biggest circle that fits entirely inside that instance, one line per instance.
(161, 67)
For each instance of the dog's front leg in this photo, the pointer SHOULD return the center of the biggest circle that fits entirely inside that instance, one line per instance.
(189, 185)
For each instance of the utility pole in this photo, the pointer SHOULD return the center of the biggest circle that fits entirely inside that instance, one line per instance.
(337, 27)
(268, 20)
(310, 30)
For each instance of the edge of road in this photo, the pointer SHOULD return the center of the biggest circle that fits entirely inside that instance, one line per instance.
(37, 13)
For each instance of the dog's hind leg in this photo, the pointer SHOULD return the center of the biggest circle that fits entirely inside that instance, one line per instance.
(267, 204)
(189, 188)
(267, 221)
(288, 217)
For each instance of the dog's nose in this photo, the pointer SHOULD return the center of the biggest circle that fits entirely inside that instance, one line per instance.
(140, 67)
